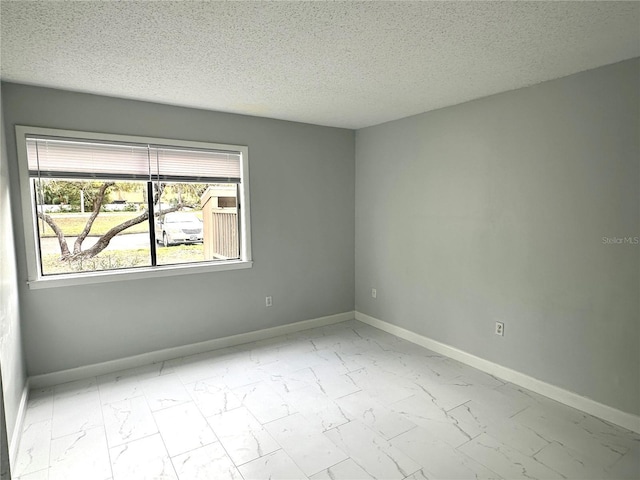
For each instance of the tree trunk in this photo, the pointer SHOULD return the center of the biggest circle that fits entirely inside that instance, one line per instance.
(77, 246)
(64, 248)
(103, 241)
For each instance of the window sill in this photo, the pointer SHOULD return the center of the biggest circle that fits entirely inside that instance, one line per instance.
(67, 280)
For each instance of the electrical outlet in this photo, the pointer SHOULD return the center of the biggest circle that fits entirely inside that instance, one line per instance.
(268, 301)
(374, 293)
(500, 329)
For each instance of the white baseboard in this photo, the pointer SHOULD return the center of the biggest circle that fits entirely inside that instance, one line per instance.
(605, 412)
(14, 442)
(63, 376)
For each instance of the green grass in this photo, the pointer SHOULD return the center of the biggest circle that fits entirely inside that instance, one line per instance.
(117, 259)
(180, 254)
(73, 223)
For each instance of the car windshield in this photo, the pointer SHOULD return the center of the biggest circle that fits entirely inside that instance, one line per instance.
(180, 218)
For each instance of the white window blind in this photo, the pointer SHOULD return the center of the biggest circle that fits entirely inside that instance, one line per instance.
(58, 158)
(64, 159)
(196, 165)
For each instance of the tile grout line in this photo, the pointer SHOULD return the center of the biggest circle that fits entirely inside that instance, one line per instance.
(104, 428)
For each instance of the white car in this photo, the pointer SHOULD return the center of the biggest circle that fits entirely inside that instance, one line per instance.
(178, 227)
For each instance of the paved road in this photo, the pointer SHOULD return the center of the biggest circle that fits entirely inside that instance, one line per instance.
(132, 241)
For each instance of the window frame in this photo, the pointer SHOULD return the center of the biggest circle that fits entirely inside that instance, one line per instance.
(35, 278)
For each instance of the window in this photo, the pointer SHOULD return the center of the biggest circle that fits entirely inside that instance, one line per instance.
(98, 205)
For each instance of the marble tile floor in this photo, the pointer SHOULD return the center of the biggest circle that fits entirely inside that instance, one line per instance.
(346, 401)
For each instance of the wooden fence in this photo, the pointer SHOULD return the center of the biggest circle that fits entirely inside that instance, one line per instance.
(224, 238)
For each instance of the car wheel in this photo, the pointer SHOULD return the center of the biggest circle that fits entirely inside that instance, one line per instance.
(165, 240)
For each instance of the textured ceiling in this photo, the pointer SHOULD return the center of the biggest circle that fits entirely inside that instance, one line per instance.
(346, 64)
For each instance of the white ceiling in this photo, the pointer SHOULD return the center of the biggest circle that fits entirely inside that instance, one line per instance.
(346, 64)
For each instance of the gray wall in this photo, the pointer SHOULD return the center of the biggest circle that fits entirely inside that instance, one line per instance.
(495, 210)
(302, 218)
(5, 468)
(11, 356)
